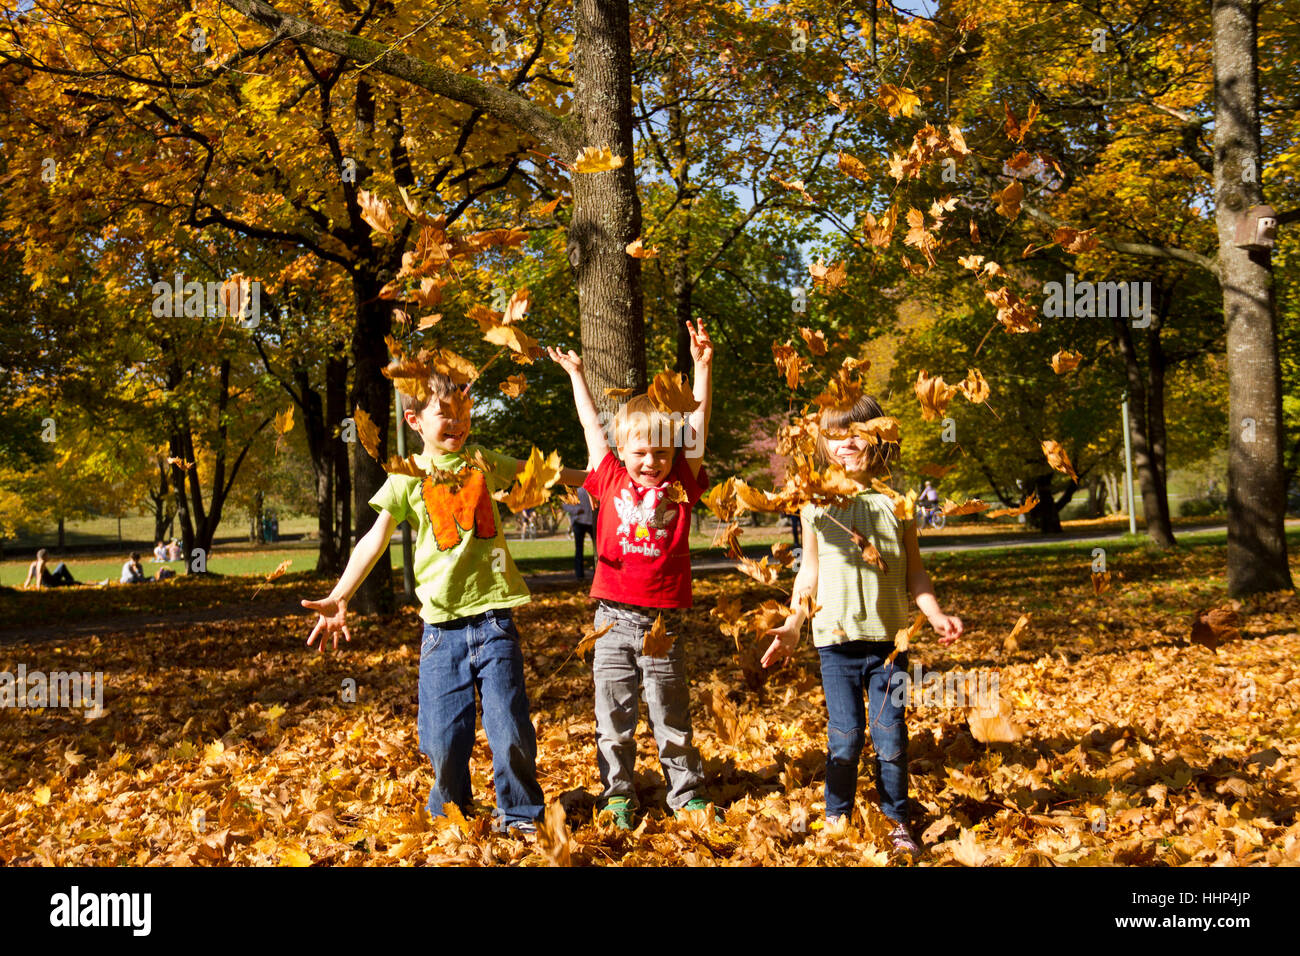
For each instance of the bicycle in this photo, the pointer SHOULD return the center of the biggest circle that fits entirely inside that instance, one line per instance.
(931, 517)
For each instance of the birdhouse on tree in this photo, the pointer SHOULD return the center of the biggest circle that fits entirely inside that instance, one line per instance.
(1257, 228)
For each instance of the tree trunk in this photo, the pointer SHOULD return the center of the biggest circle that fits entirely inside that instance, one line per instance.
(373, 393)
(606, 207)
(1257, 553)
(1044, 515)
(1148, 473)
(60, 544)
(682, 289)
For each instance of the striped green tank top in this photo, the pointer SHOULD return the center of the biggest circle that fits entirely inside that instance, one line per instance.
(859, 603)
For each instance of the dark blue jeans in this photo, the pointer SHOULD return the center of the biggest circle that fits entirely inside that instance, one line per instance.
(848, 670)
(457, 658)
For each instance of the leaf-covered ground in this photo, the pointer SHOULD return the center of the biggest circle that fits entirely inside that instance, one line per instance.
(228, 743)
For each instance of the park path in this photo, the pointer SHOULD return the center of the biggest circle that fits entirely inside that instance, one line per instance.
(537, 582)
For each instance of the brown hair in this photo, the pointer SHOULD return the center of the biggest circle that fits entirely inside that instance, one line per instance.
(440, 386)
(876, 458)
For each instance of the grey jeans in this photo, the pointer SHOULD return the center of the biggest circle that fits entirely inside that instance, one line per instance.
(622, 674)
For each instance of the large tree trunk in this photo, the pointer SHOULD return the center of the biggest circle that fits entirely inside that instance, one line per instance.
(606, 207)
(1257, 554)
(1044, 515)
(321, 422)
(373, 393)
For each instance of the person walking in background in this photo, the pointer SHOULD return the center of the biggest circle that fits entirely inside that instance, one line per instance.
(43, 577)
(582, 519)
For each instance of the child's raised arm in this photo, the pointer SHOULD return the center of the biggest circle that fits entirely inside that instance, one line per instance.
(702, 353)
(786, 637)
(597, 446)
(922, 588)
(334, 608)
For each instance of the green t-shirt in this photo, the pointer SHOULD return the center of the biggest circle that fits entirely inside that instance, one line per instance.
(859, 603)
(462, 565)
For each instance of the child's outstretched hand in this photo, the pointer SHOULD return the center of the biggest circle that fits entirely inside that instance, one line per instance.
(786, 639)
(701, 344)
(572, 362)
(949, 628)
(332, 615)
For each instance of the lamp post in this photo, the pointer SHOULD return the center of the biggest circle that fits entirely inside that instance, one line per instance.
(1128, 468)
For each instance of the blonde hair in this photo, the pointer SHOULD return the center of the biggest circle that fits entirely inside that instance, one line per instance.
(639, 416)
(876, 458)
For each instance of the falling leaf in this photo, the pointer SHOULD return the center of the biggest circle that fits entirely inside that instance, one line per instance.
(934, 395)
(516, 307)
(1066, 361)
(588, 642)
(828, 278)
(1100, 582)
(456, 367)
(935, 471)
(870, 554)
(637, 251)
(955, 509)
(762, 571)
(367, 432)
(531, 484)
(181, 463)
(974, 387)
(279, 571)
(1059, 460)
(1016, 130)
(851, 166)
(816, 341)
(1216, 626)
(1030, 503)
(897, 100)
(657, 641)
(620, 392)
(593, 160)
(1009, 200)
(1075, 240)
(514, 385)
(1009, 644)
(671, 392)
(880, 232)
(790, 362)
(1013, 312)
(513, 339)
(429, 321)
(905, 635)
(553, 836)
(377, 213)
(974, 232)
(991, 723)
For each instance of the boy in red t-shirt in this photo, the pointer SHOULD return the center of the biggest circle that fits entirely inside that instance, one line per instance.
(643, 569)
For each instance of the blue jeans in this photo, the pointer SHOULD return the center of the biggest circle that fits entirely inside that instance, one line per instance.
(847, 670)
(457, 658)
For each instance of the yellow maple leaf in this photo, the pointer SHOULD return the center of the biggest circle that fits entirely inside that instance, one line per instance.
(593, 160)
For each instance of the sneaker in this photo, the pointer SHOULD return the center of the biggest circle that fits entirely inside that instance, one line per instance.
(904, 843)
(620, 808)
(519, 829)
(697, 804)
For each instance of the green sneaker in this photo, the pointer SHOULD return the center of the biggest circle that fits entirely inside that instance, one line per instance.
(699, 803)
(620, 808)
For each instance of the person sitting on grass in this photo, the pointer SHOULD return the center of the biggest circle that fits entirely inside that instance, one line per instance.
(160, 553)
(174, 550)
(132, 572)
(43, 577)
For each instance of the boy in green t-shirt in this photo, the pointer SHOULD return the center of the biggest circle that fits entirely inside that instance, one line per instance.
(466, 582)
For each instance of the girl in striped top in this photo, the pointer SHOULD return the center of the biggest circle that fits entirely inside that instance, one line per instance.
(863, 598)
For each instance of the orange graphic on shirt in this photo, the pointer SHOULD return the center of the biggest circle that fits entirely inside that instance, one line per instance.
(469, 507)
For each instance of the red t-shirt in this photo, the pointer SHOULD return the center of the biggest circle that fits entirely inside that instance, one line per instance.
(640, 558)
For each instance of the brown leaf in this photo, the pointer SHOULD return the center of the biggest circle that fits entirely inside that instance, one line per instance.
(975, 387)
(588, 642)
(637, 251)
(514, 385)
(1030, 503)
(671, 392)
(1009, 644)
(816, 341)
(553, 836)
(1058, 459)
(1216, 626)
(934, 395)
(367, 432)
(1009, 200)
(1066, 361)
(657, 641)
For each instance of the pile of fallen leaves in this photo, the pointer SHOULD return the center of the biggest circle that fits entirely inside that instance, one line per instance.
(227, 742)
